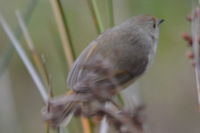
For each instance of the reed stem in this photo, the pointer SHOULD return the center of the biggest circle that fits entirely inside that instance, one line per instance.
(64, 31)
(111, 13)
(36, 58)
(36, 78)
(8, 53)
(96, 16)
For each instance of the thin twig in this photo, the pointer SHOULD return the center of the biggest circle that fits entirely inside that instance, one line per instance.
(25, 59)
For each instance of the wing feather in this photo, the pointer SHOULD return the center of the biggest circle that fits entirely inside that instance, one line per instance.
(76, 70)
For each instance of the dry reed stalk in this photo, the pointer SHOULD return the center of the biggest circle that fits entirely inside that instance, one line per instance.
(35, 76)
(96, 16)
(63, 30)
(36, 58)
(86, 125)
(8, 52)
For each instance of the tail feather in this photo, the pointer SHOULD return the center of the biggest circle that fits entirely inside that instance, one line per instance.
(68, 114)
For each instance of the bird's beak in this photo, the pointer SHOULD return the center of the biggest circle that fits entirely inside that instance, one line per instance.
(160, 21)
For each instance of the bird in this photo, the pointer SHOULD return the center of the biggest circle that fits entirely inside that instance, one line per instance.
(110, 63)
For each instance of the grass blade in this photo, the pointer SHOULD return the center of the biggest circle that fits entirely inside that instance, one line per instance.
(111, 13)
(24, 30)
(96, 15)
(64, 31)
(25, 59)
(36, 58)
(7, 55)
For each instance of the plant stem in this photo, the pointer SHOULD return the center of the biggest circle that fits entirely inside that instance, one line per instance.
(25, 59)
(86, 125)
(110, 11)
(8, 53)
(196, 48)
(36, 58)
(96, 16)
(64, 31)
(47, 129)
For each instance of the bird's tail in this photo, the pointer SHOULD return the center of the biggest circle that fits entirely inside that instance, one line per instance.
(59, 111)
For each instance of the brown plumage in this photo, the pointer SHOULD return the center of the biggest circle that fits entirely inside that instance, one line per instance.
(110, 63)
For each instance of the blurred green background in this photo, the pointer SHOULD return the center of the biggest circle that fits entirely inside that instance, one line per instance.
(168, 89)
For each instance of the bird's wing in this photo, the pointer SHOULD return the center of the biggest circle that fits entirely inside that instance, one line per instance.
(75, 72)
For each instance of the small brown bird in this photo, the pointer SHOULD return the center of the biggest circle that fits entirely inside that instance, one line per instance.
(109, 64)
